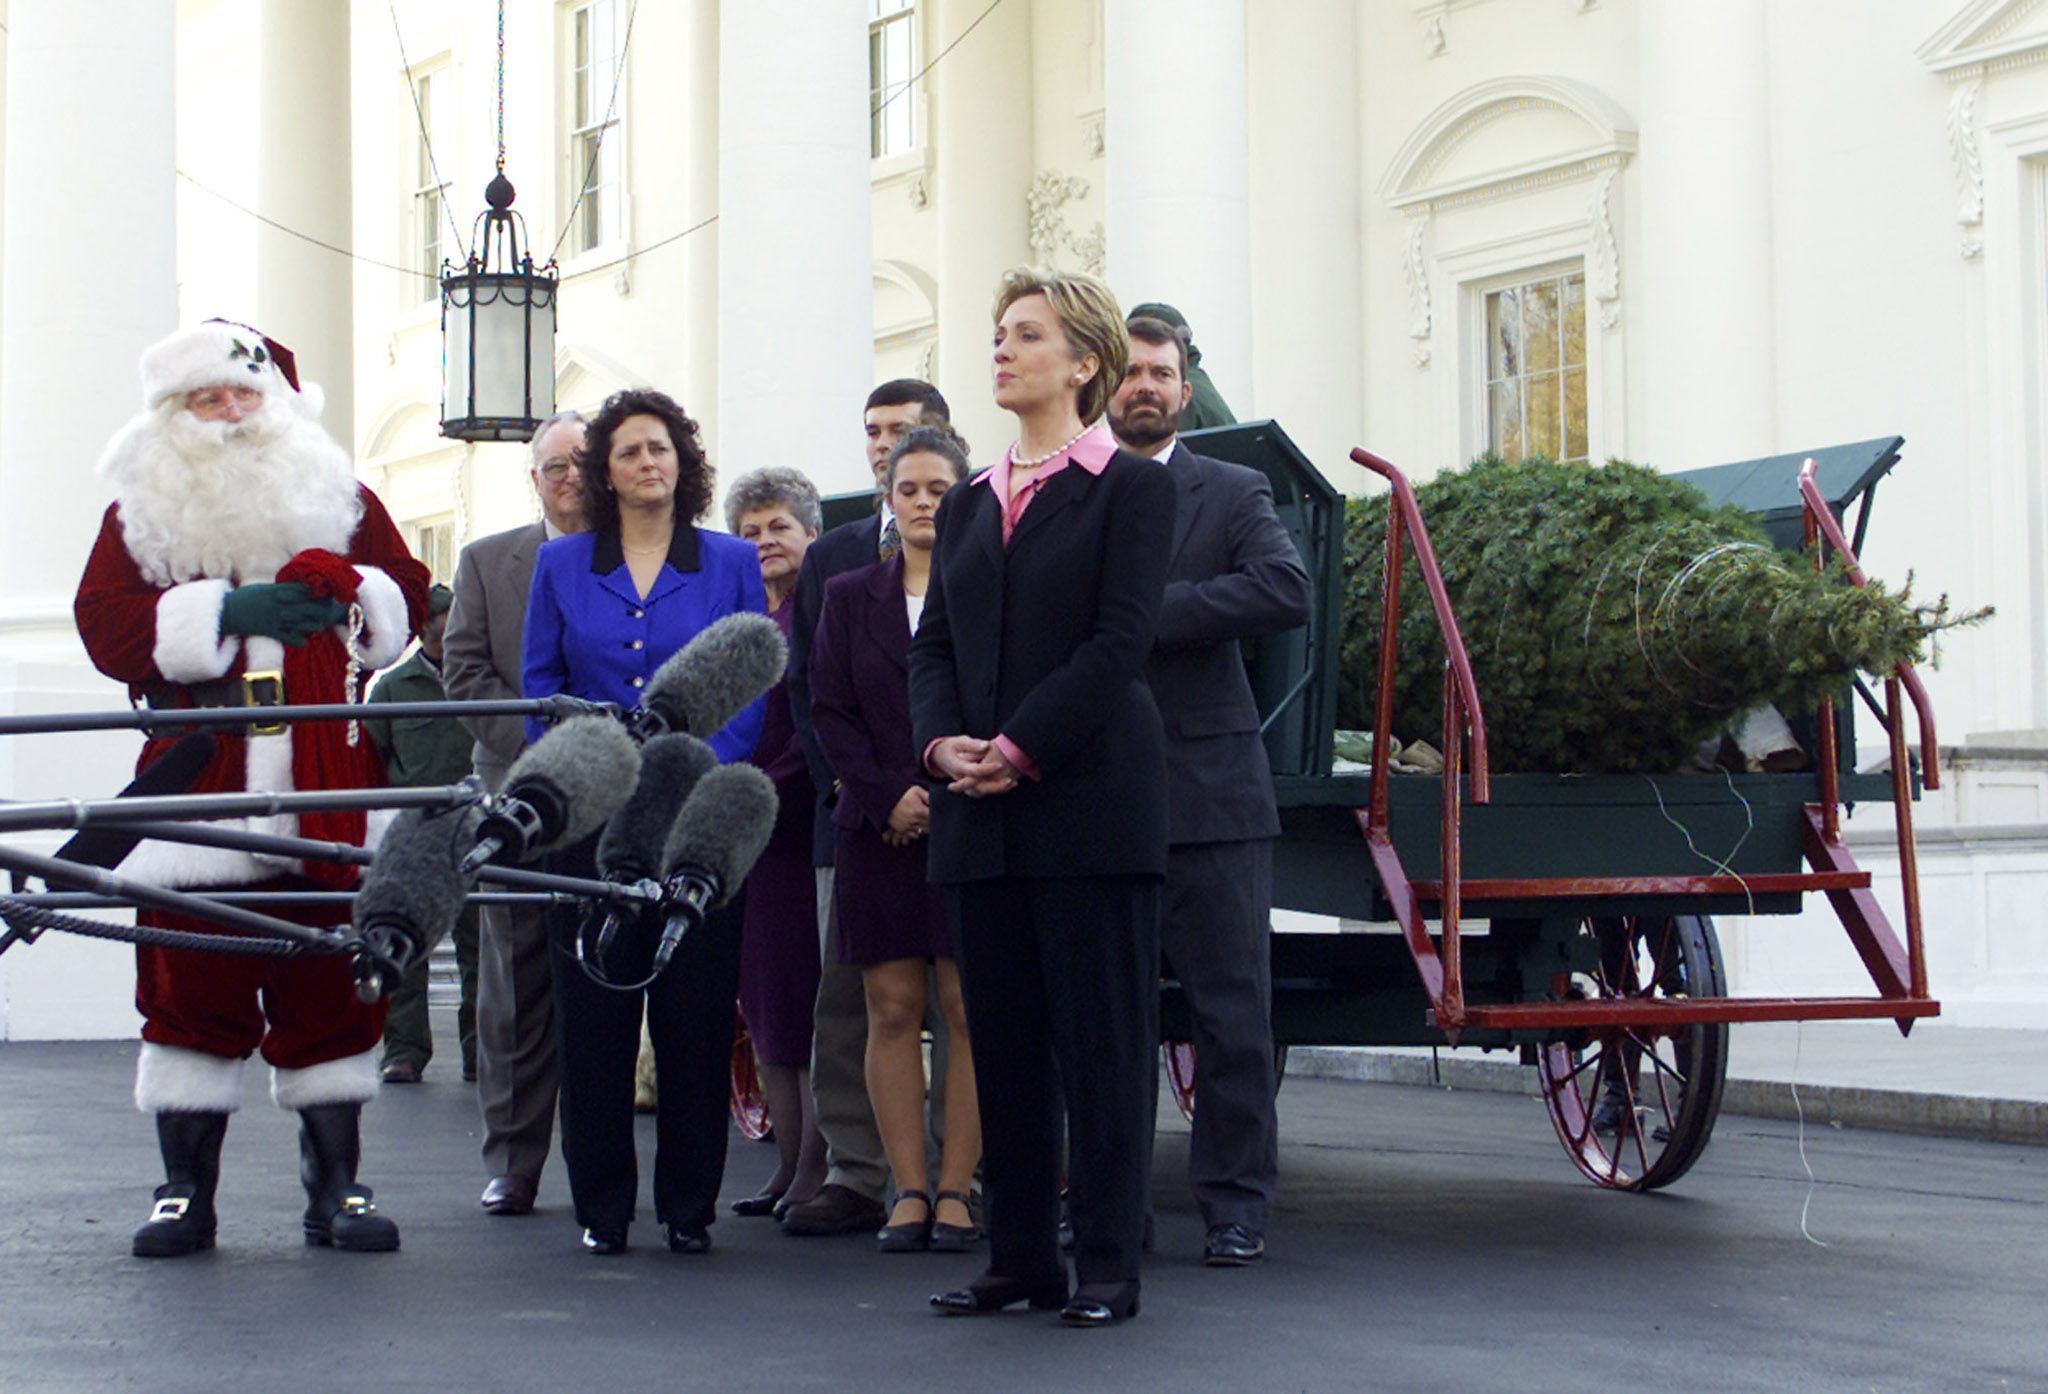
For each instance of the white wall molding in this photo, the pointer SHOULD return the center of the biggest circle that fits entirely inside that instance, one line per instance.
(1609, 139)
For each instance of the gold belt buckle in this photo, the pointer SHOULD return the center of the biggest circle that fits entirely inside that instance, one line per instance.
(264, 689)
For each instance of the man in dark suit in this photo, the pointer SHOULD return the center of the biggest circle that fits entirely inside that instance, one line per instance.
(1234, 575)
(851, 1199)
(515, 1019)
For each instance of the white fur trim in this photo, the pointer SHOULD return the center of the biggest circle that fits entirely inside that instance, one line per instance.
(189, 644)
(172, 1079)
(386, 624)
(208, 355)
(349, 1080)
(175, 866)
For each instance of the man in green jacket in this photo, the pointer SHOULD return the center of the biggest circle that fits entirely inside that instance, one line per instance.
(425, 750)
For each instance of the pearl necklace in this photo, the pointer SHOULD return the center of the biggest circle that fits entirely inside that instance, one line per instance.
(1017, 464)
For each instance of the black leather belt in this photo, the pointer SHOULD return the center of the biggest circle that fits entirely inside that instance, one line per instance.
(259, 689)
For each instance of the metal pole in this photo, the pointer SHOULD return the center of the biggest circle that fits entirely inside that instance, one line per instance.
(158, 898)
(556, 708)
(79, 813)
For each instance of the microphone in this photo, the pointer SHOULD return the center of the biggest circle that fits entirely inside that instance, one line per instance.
(631, 846)
(412, 893)
(706, 682)
(716, 840)
(560, 791)
(173, 772)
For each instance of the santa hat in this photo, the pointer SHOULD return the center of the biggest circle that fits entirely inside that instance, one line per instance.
(218, 353)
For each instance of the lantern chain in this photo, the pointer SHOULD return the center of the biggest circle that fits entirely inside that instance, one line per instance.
(501, 86)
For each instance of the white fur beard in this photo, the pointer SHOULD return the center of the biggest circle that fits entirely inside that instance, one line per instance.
(206, 499)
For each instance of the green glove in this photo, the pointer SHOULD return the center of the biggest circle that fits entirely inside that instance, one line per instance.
(285, 611)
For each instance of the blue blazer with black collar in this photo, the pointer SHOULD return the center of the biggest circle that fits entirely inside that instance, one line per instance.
(590, 634)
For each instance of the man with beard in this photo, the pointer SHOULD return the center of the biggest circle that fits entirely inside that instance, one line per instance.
(241, 565)
(1234, 575)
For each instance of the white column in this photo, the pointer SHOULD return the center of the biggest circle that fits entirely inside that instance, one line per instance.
(1308, 336)
(90, 280)
(980, 123)
(795, 296)
(700, 249)
(1178, 173)
(1706, 364)
(304, 293)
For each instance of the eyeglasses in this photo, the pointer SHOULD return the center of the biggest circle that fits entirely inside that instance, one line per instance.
(555, 471)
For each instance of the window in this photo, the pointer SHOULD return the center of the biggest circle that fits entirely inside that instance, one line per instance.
(1536, 368)
(596, 152)
(432, 543)
(892, 62)
(428, 205)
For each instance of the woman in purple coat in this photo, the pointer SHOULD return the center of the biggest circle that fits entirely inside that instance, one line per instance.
(777, 510)
(891, 921)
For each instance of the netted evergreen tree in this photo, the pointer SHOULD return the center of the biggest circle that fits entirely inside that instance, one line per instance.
(1614, 618)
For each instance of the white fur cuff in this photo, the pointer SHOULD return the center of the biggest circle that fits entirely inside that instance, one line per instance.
(387, 626)
(189, 644)
(171, 1079)
(349, 1080)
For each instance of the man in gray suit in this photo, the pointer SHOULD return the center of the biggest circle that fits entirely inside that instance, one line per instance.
(515, 1024)
(1234, 575)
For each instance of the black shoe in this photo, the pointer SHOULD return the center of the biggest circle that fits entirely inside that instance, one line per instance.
(989, 1293)
(338, 1211)
(1233, 1246)
(682, 1240)
(182, 1221)
(764, 1205)
(510, 1194)
(954, 1239)
(402, 1072)
(607, 1241)
(1101, 1304)
(911, 1238)
(835, 1209)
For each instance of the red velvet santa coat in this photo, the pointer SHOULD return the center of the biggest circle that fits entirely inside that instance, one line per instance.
(152, 636)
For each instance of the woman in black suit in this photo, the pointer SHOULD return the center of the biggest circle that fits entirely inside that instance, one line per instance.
(1028, 698)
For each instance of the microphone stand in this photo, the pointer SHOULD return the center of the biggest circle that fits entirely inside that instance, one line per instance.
(559, 707)
(78, 813)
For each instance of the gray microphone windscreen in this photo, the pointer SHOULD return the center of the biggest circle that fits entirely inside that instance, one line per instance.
(708, 680)
(583, 769)
(633, 839)
(723, 826)
(414, 881)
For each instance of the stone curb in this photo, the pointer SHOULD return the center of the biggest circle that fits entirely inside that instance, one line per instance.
(1828, 1105)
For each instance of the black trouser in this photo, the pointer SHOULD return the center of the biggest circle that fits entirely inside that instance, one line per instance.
(689, 1011)
(1061, 978)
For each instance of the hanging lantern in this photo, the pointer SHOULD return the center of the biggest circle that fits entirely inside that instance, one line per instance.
(497, 331)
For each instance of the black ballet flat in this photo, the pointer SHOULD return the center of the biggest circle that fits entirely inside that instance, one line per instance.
(1101, 1304)
(766, 1205)
(989, 1293)
(912, 1238)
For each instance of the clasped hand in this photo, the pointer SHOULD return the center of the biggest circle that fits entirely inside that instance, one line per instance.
(284, 610)
(911, 819)
(974, 767)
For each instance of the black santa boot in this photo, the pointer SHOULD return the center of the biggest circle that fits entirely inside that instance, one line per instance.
(338, 1211)
(183, 1221)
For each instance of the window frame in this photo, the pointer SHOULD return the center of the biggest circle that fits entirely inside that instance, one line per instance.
(882, 16)
(580, 124)
(1559, 272)
(425, 135)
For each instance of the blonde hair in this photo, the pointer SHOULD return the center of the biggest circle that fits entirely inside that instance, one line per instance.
(1090, 319)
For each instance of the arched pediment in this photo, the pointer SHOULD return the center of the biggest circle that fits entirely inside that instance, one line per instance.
(405, 427)
(906, 299)
(1989, 35)
(585, 377)
(1507, 133)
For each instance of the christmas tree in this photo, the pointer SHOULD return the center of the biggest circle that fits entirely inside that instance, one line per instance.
(1613, 617)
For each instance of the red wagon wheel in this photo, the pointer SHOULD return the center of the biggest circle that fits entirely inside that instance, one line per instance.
(1635, 1105)
(749, 1105)
(1180, 1073)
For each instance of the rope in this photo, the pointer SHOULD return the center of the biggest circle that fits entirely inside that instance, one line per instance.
(16, 913)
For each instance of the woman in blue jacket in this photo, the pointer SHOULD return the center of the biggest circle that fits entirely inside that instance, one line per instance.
(608, 607)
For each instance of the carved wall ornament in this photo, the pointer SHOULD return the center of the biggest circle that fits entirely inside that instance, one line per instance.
(917, 191)
(1605, 261)
(1415, 270)
(1968, 155)
(1049, 233)
(1092, 134)
(1093, 248)
(1435, 43)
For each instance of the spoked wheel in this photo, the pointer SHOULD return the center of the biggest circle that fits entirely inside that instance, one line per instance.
(1635, 1105)
(749, 1105)
(1180, 1073)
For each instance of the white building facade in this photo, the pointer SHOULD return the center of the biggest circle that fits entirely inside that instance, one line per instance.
(1679, 234)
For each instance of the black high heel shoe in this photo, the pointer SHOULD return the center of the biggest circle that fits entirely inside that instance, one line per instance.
(990, 1293)
(1101, 1304)
(765, 1205)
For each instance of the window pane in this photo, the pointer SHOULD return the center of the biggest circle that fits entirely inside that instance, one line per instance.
(1539, 325)
(1541, 433)
(1575, 414)
(1503, 335)
(1574, 316)
(1505, 433)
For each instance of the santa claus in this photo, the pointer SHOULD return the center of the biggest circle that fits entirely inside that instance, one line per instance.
(242, 565)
